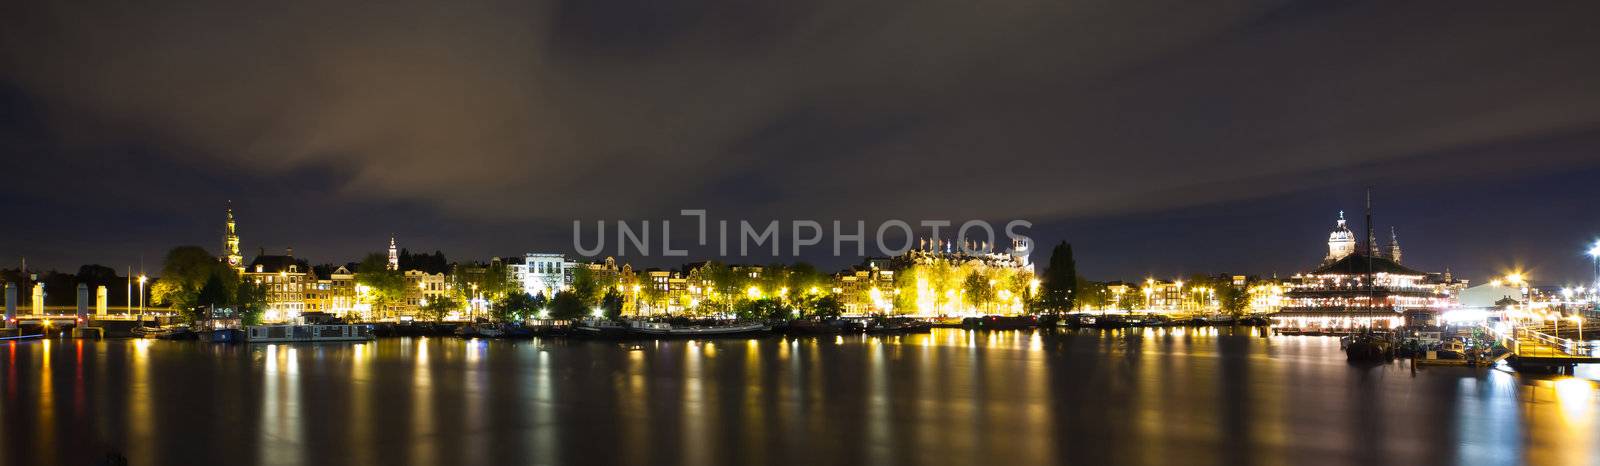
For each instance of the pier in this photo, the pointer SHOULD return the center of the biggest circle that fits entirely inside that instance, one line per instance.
(1542, 348)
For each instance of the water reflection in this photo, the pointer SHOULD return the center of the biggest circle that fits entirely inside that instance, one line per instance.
(1197, 396)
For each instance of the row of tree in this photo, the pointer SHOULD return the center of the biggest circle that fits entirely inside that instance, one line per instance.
(1063, 290)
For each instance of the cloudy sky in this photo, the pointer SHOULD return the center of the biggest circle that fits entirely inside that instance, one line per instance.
(1160, 137)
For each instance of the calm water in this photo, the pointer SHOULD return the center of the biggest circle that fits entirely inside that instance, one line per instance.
(1180, 396)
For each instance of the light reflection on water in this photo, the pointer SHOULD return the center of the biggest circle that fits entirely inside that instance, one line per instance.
(1194, 396)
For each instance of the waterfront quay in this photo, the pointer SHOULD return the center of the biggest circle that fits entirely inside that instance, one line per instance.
(1189, 395)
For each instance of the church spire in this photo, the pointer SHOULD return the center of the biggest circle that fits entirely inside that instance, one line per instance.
(1394, 245)
(230, 242)
(394, 255)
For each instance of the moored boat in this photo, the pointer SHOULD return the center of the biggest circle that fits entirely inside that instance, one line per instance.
(665, 329)
(898, 325)
(1368, 347)
(490, 330)
(600, 329)
(1000, 322)
(307, 333)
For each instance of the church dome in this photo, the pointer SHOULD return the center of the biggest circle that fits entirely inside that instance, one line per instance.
(1341, 242)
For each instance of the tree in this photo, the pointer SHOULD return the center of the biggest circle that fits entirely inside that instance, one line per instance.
(611, 304)
(566, 305)
(440, 307)
(586, 285)
(1092, 295)
(185, 272)
(212, 293)
(1233, 299)
(765, 308)
(979, 293)
(1131, 300)
(514, 307)
(824, 306)
(540, 303)
(1059, 293)
(250, 301)
(384, 286)
(652, 295)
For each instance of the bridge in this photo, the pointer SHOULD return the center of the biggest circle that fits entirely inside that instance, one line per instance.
(1544, 346)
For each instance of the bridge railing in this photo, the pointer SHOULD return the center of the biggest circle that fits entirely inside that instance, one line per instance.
(1553, 345)
(1564, 345)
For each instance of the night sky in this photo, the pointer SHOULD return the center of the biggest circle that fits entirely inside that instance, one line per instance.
(1159, 137)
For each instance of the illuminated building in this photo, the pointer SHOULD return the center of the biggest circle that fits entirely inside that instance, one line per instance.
(335, 294)
(1341, 241)
(394, 255)
(935, 278)
(286, 280)
(1358, 289)
(421, 288)
(542, 273)
(230, 244)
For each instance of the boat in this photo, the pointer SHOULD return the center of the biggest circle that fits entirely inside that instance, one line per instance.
(1105, 321)
(1368, 347)
(1222, 319)
(489, 330)
(600, 329)
(222, 335)
(898, 325)
(307, 333)
(814, 327)
(1000, 322)
(665, 329)
(169, 332)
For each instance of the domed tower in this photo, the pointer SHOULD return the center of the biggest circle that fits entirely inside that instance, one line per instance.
(1341, 242)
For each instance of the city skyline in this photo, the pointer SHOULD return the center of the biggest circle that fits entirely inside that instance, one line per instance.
(686, 239)
(1158, 155)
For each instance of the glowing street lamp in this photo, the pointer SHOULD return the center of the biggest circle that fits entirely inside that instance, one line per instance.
(1594, 255)
(142, 279)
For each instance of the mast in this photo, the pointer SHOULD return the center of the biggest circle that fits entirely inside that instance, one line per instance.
(1372, 287)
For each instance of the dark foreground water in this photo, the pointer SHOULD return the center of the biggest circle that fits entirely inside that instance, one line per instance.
(1180, 396)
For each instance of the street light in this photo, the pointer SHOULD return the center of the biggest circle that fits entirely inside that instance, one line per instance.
(142, 279)
(1594, 255)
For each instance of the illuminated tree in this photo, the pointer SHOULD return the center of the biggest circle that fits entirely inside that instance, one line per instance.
(513, 307)
(979, 293)
(384, 286)
(1233, 299)
(439, 308)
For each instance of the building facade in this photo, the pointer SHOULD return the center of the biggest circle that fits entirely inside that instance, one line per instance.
(286, 280)
(1362, 287)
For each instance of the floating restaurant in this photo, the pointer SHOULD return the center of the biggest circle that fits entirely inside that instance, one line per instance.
(1356, 288)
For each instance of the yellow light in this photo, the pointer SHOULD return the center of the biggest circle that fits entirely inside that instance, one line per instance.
(1514, 277)
(753, 292)
(142, 278)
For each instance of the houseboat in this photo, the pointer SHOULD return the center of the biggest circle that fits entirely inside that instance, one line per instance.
(307, 333)
(664, 329)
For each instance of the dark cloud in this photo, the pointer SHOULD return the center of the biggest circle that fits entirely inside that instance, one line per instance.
(496, 119)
